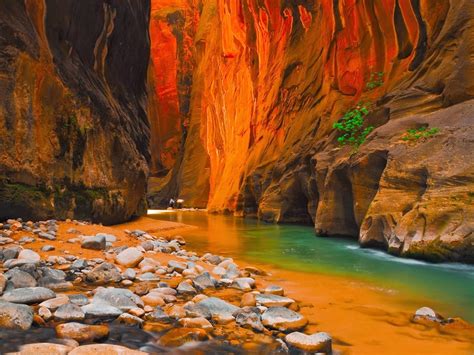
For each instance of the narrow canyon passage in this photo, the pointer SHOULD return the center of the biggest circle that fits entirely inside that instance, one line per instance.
(236, 176)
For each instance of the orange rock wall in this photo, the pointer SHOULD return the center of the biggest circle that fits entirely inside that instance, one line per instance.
(271, 77)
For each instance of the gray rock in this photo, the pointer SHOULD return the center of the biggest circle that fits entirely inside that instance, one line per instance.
(94, 243)
(103, 274)
(28, 295)
(15, 316)
(283, 319)
(194, 311)
(270, 300)
(69, 312)
(101, 311)
(204, 281)
(314, 343)
(110, 238)
(232, 272)
(148, 276)
(426, 313)
(184, 288)
(30, 255)
(47, 248)
(26, 239)
(219, 309)
(129, 274)
(47, 236)
(6, 240)
(118, 297)
(79, 264)
(18, 278)
(130, 257)
(177, 266)
(11, 252)
(274, 290)
(158, 315)
(243, 283)
(249, 318)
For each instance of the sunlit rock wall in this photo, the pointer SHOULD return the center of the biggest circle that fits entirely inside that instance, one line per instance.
(74, 133)
(269, 80)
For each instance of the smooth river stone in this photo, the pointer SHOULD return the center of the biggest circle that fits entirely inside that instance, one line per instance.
(28, 295)
(270, 300)
(317, 342)
(130, 257)
(15, 316)
(82, 332)
(30, 255)
(44, 348)
(117, 297)
(105, 349)
(283, 319)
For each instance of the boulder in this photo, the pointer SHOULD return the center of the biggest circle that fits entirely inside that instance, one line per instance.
(283, 319)
(15, 316)
(315, 343)
(130, 257)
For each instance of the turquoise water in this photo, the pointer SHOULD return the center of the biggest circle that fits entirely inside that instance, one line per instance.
(449, 286)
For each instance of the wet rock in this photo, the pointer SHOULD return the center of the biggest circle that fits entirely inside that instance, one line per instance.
(204, 281)
(176, 266)
(15, 316)
(196, 311)
(82, 332)
(243, 283)
(101, 311)
(79, 264)
(94, 243)
(45, 313)
(232, 272)
(270, 300)
(105, 349)
(55, 303)
(158, 315)
(274, 290)
(176, 311)
(198, 322)
(180, 336)
(18, 278)
(220, 310)
(69, 312)
(283, 319)
(212, 259)
(30, 255)
(249, 318)
(130, 257)
(426, 315)
(44, 348)
(28, 295)
(315, 343)
(103, 274)
(130, 320)
(117, 297)
(185, 288)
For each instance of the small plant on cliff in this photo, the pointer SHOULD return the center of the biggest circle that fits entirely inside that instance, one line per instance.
(353, 127)
(422, 133)
(375, 81)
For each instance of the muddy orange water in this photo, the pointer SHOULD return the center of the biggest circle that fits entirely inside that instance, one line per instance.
(364, 300)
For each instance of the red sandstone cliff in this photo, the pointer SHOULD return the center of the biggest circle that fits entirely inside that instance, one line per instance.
(74, 132)
(270, 78)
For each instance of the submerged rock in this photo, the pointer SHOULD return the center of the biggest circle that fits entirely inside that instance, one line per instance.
(82, 332)
(180, 336)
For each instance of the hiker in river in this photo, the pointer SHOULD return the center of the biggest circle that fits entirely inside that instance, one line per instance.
(171, 203)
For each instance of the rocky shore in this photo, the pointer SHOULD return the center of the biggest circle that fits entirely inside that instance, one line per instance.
(78, 288)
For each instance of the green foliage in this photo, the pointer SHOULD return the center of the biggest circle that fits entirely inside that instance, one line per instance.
(375, 81)
(422, 133)
(353, 128)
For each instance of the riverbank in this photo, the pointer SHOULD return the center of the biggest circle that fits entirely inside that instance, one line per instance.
(360, 318)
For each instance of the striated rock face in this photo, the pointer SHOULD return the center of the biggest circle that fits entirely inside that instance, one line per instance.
(269, 80)
(73, 111)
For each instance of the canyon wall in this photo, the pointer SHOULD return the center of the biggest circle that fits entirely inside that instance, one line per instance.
(74, 138)
(269, 80)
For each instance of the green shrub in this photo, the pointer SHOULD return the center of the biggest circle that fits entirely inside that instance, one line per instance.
(422, 133)
(353, 127)
(375, 81)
